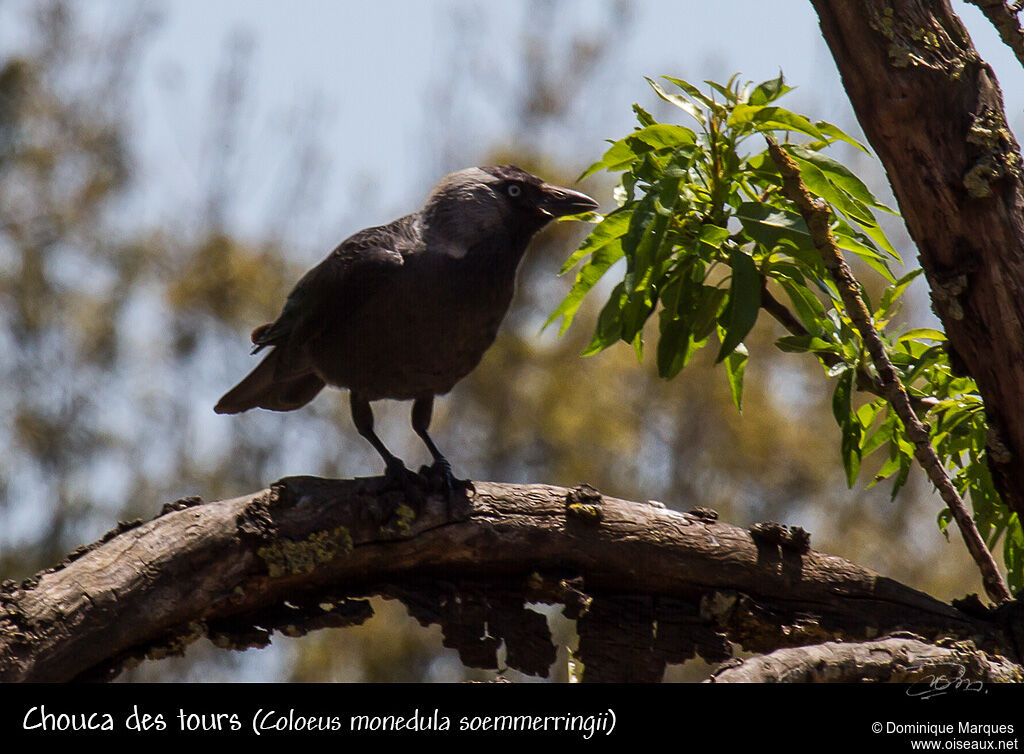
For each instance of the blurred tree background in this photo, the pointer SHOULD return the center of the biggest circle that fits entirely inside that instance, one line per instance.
(120, 326)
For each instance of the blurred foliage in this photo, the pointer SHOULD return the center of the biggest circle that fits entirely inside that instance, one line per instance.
(230, 282)
(705, 228)
(119, 333)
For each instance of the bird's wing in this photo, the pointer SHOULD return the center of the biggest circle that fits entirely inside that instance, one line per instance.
(339, 284)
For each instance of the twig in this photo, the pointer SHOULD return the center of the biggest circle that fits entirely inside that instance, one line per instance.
(866, 383)
(1004, 18)
(817, 216)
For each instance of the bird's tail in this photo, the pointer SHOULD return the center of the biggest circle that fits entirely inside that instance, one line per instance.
(266, 387)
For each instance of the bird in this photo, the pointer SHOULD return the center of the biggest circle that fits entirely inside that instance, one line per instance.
(403, 311)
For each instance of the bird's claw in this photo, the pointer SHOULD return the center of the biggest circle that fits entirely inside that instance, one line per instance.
(439, 477)
(397, 476)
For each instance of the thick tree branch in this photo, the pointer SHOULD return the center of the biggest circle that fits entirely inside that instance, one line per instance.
(649, 586)
(815, 213)
(933, 111)
(1004, 18)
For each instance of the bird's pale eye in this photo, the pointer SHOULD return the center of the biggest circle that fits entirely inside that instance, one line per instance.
(514, 190)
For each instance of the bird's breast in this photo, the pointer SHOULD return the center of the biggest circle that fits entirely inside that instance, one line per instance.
(420, 334)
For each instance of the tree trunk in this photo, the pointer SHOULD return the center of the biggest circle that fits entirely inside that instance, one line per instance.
(933, 111)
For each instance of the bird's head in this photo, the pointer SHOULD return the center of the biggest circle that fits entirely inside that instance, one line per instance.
(469, 206)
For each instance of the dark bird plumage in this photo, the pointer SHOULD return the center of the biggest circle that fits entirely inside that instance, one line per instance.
(405, 310)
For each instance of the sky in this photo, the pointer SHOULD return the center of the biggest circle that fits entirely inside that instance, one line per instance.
(378, 84)
(374, 72)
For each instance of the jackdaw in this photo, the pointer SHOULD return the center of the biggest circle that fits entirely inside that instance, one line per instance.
(406, 310)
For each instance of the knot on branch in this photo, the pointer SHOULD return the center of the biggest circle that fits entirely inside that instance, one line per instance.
(584, 503)
(768, 534)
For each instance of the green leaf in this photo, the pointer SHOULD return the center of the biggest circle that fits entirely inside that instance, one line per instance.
(604, 244)
(681, 102)
(893, 293)
(1013, 554)
(771, 225)
(842, 396)
(840, 175)
(645, 244)
(659, 137)
(768, 225)
(744, 301)
(769, 91)
(876, 234)
(850, 450)
(869, 256)
(706, 313)
(923, 333)
(770, 118)
(851, 428)
(879, 437)
(804, 343)
(712, 235)
(818, 183)
(610, 230)
(694, 93)
(609, 322)
(944, 519)
(662, 137)
(890, 467)
(673, 346)
(867, 413)
(735, 366)
(836, 133)
(730, 96)
(809, 310)
(904, 473)
(644, 117)
(594, 270)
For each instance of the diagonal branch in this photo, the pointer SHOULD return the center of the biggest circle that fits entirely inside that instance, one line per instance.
(1004, 18)
(817, 216)
(867, 383)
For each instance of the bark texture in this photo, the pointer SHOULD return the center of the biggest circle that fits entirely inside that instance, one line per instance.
(647, 585)
(933, 111)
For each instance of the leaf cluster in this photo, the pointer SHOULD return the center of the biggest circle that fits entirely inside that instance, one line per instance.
(707, 237)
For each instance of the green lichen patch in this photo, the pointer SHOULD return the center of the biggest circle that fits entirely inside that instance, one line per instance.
(998, 153)
(400, 521)
(945, 293)
(926, 43)
(978, 180)
(289, 556)
(988, 129)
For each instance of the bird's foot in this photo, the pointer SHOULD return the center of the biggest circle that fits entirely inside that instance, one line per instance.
(440, 478)
(396, 476)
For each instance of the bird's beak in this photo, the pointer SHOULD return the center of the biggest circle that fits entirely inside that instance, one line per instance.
(559, 202)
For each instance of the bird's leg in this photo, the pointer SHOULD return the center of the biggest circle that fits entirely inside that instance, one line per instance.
(422, 411)
(362, 417)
